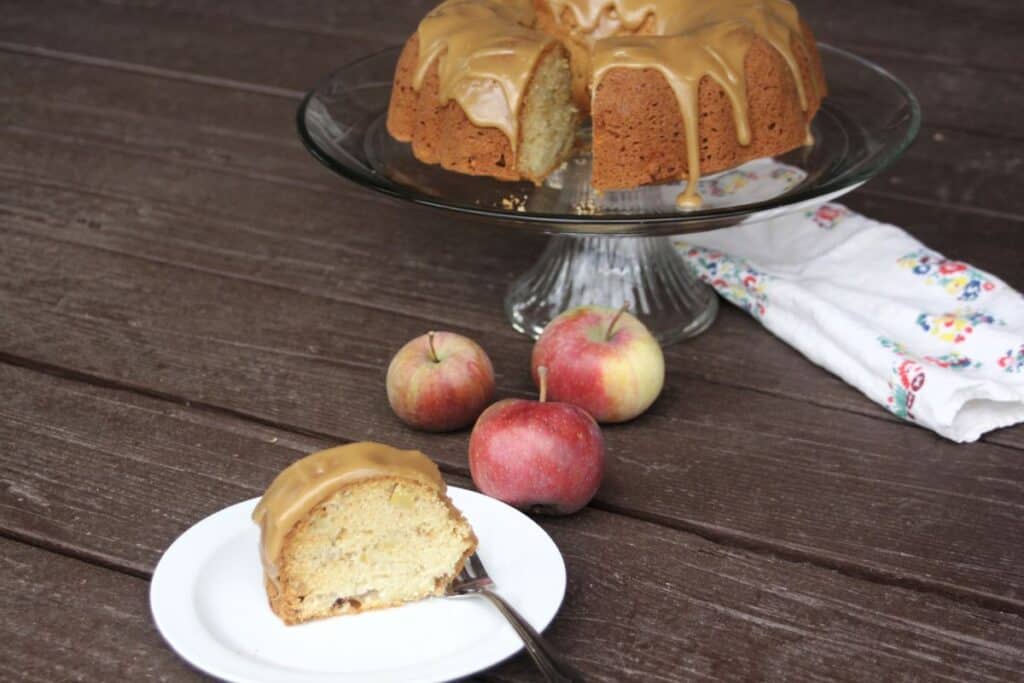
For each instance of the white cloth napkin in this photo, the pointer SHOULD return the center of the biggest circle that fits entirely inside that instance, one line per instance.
(935, 341)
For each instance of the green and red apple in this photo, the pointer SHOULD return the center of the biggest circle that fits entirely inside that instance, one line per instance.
(440, 381)
(602, 360)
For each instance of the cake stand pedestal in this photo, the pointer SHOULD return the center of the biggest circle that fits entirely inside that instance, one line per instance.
(645, 273)
(615, 248)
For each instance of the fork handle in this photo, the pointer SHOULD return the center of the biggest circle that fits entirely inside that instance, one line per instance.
(554, 668)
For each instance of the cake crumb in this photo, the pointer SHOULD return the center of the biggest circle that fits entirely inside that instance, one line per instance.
(514, 203)
(586, 206)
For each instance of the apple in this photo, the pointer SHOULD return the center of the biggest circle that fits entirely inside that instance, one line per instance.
(539, 456)
(440, 382)
(603, 360)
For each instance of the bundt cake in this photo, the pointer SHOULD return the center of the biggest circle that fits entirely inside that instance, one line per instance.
(355, 528)
(674, 88)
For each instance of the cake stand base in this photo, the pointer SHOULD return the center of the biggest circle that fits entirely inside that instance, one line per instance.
(646, 273)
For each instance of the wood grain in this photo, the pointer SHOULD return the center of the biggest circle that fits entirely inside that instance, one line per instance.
(644, 602)
(66, 620)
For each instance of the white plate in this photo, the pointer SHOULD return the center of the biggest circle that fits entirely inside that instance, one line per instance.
(208, 601)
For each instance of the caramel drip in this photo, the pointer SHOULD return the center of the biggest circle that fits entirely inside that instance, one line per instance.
(485, 51)
(308, 482)
(691, 39)
(597, 19)
(590, 14)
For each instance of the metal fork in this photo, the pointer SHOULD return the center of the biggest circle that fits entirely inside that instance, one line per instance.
(473, 580)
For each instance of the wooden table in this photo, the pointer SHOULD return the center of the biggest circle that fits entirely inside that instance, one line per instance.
(188, 303)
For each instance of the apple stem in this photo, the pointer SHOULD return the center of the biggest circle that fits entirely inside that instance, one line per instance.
(430, 345)
(611, 325)
(542, 373)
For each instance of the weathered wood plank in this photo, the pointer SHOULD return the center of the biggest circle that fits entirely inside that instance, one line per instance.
(644, 602)
(952, 93)
(977, 33)
(66, 620)
(803, 480)
(180, 42)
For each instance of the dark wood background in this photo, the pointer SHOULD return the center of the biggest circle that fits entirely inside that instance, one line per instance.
(188, 302)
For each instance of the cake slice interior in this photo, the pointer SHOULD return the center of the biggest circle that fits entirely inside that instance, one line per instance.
(549, 118)
(373, 544)
(358, 527)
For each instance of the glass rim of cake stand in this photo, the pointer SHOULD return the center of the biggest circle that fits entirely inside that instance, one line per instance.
(363, 172)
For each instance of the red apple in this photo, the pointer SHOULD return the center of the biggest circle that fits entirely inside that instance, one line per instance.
(440, 381)
(603, 360)
(539, 456)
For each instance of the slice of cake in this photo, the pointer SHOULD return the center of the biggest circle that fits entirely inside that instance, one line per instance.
(358, 527)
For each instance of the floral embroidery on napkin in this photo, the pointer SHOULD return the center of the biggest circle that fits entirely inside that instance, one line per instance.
(1013, 361)
(729, 183)
(958, 279)
(895, 346)
(732, 278)
(791, 176)
(952, 361)
(828, 216)
(954, 327)
(908, 377)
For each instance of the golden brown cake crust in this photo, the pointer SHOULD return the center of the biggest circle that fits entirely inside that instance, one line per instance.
(403, 105)
(468, 148)
(442, 133)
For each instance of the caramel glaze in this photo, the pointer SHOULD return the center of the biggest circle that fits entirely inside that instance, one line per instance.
(485, 51)
(690, 40)
(310, 481)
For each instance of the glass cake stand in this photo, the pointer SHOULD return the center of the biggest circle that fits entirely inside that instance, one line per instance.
(613, 248)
